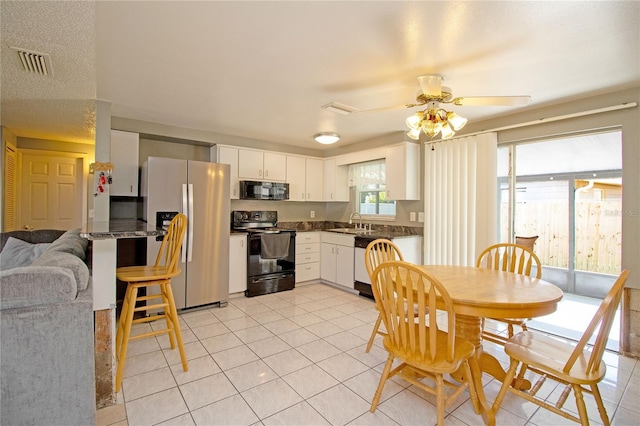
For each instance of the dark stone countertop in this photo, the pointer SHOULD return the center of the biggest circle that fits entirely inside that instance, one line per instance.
(377, 231)
(115, 229)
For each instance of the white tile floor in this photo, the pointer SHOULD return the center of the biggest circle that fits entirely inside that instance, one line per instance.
(297, 358)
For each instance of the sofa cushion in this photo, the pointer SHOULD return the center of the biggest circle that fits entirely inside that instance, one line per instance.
(18, 253)
(71, 242)
(35, 286)
(34, 236)
(66, 260)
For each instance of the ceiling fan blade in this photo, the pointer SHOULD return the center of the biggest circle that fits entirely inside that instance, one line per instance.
(387, 108)
(343, 109)
(493, 100)
(431, 85)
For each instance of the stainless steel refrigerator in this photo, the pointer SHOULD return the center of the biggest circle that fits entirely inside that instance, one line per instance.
(200, 190)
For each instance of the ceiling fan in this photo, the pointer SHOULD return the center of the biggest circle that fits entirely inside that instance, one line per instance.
(433, 119)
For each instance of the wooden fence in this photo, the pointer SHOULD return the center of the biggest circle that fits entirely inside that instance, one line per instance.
(598, 239)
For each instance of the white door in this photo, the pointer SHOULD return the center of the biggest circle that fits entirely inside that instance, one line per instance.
(51, 194)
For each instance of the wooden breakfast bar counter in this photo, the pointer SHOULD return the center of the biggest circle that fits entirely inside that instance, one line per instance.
(103, 238)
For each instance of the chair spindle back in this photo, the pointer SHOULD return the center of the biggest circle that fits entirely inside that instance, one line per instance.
(603, 319)
(378, 251)
(397, 284)
(169, 252)
(510, 258)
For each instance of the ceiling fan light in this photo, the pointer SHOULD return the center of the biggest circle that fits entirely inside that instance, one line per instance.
(326, 138)
(413, 122)
(446, 132)
(414, 134)
(455, 121)
(431, 128)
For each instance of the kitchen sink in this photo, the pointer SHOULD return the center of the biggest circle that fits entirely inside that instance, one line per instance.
(350, 230)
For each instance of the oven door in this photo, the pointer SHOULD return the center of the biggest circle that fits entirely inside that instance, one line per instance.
(257, 266)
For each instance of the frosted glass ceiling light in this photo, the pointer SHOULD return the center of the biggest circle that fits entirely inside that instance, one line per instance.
(455, 121)
(326, 138)
(413, 122)
(446, 131)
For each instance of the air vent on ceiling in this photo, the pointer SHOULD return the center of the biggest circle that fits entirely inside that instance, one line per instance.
(37, 63)
(339, 108)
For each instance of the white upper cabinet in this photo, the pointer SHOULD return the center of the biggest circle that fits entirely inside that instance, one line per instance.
(304, 176)
(296, 172)
(262, 166)
(314, 180)
(403, 171)
(229, 155)
(124, 157)
(275, 166)
(336, 181)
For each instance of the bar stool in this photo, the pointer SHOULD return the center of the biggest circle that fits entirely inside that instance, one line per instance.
(159, 274)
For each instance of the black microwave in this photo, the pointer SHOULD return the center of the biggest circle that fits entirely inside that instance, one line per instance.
(253, 190)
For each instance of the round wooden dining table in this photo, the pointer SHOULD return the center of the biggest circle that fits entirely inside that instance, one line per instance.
(479, 293)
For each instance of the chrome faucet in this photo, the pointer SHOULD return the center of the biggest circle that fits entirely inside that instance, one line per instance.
(359, 219)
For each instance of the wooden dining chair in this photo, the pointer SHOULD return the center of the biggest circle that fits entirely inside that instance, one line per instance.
(423, 349)
(378, 251)
(159, 274)
(579, 367)
(511, 258)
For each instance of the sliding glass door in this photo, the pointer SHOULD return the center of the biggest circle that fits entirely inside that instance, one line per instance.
(568, 193)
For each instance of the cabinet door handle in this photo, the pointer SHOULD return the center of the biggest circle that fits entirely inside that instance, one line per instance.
(259, 172)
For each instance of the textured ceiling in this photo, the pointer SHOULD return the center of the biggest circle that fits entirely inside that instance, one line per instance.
(262, 70)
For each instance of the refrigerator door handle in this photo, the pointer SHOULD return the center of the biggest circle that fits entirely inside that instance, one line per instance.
(185, 211)
(190, 224)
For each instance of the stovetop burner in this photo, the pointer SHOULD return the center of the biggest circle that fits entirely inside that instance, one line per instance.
(245, 220)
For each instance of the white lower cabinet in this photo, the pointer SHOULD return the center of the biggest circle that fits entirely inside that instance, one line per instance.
(307, 256)
(237, 263)
(337, 258)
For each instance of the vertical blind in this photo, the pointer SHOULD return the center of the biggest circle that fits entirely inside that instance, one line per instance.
(460, 199)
